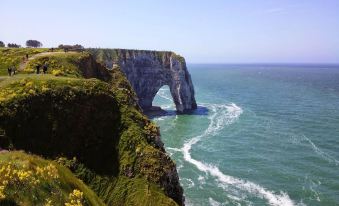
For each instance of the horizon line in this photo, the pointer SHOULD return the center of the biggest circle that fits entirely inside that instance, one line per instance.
(266, 63)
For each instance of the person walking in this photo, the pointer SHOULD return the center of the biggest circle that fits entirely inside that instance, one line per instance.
(9, 70)
(45, 67)
(37, 68)
(14, 70)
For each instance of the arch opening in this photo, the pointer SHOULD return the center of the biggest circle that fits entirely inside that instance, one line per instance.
(163, 99)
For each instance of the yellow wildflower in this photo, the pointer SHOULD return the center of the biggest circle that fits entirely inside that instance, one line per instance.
(2, 190)
(29, 84)
(48, 202)
(31, 91)
(75, 198)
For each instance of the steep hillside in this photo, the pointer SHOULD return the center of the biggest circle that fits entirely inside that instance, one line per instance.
(31, 180)
(118, 151)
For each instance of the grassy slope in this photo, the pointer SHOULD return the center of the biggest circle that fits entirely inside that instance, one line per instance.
(61, 64)
(14, 56)
(57, 190)
(140, 158)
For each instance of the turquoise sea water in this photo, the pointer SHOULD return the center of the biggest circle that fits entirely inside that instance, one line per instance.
(263, 135)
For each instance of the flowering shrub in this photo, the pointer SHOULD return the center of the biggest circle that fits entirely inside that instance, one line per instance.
(59, 64)
(31, 180)
(2, 195)
(21, 176)
(48, 172)
(15, 56)
(75, 198)
(57, 72)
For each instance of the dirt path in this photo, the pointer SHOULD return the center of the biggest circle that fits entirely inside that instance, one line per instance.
(3, 78)
(23, 65)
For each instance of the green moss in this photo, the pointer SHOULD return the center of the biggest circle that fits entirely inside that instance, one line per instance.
(52, 182)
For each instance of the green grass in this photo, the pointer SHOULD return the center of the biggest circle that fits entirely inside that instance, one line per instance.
(120, 190)
(24, 192)
(14, 56)
(48, 108)
(47, 102)
(61, 64)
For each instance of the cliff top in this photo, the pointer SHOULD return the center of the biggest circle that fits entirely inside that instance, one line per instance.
(119, 151)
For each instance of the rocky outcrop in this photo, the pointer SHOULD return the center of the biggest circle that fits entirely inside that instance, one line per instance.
(148, 71)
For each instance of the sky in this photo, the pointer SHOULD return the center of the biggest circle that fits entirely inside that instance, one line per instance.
(213, 31)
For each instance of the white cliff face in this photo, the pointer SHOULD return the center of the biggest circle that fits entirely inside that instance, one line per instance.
(148, 71)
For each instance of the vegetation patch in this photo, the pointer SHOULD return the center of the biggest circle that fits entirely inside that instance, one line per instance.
(58, 64)
(15, 56)
(96, 123)
(30, 180)
(72, 117)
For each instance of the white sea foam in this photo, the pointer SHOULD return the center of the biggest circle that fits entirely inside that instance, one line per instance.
(179, 167)
(202, 180)
(163, 93)
(320, 152)
(213, 202)
(188, 182)
(167, 106)
(223, 115)
(173, 149)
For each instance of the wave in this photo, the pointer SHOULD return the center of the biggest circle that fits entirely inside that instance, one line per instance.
(188, 182)
(173, 149)
(201, 180)
(320, 152)
(222, 116)
(214, 202)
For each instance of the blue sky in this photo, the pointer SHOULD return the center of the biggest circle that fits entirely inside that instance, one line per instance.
(214, 31)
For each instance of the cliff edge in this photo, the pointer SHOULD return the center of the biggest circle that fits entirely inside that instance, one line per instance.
(86, 118)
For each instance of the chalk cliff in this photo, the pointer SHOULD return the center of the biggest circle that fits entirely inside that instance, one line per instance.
(148, 71)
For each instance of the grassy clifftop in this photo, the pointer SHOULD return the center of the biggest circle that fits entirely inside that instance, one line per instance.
(14, 57)
(110, 56)
(118, 151)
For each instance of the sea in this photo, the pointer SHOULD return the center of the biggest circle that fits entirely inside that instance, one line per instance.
(262, 135)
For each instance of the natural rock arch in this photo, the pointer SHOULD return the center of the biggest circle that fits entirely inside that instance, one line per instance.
(148, 71)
